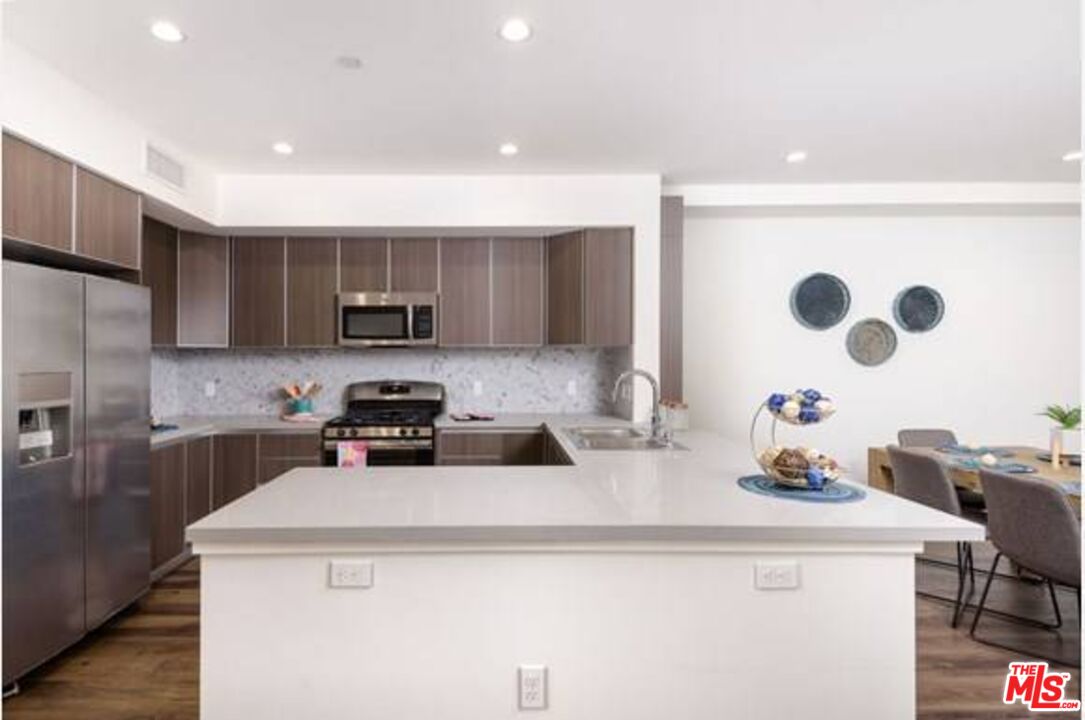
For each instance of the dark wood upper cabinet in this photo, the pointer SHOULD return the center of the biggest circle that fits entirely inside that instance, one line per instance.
(234, 467)
(608, 287)
(517, 272)
(159, 273)
(565, 289)
(363, 264)
(203, 290)
(311, 267)
(37, 195)
(197, 479)
(589, 276)
(107, 217)
(670, 297)
(258, 317)
(465, 292)
(414, 265)
(167, 475)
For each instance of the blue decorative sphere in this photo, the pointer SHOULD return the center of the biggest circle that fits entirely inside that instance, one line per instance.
(776, 401)
(815, 478)
(808, 415)
(811, 395)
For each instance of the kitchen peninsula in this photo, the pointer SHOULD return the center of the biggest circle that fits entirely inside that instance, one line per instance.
(647, 584)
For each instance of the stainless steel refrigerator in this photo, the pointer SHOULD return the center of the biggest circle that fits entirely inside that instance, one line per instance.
(76, 457)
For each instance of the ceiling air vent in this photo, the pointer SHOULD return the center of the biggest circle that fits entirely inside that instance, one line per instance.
(165, 168)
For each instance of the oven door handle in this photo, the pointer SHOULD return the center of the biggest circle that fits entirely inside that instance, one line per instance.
(405, 444)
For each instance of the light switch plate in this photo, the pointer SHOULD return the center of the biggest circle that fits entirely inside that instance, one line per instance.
(776, 575)
(350, 574)
(532, 687)
(209, 389)
(476, 388)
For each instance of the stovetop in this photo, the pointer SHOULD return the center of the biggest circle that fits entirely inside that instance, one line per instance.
(396, 417)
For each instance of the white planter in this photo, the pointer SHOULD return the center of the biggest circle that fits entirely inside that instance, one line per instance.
(1065, 442)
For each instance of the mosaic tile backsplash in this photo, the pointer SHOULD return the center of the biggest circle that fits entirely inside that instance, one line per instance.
(512, 380)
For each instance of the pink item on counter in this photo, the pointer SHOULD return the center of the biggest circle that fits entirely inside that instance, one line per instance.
(352, 453)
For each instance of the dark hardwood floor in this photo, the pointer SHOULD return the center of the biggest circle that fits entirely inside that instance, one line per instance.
(145, 663)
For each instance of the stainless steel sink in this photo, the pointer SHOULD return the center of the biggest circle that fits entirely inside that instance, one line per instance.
(616, 438)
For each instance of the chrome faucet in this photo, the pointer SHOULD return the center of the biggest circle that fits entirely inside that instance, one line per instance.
(658, 431)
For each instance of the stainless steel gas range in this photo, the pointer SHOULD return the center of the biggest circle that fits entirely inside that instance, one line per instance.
(394, 418)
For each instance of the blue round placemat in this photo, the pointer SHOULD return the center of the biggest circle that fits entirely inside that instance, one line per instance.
(835, 493)
(962, 450)
(1006, 467)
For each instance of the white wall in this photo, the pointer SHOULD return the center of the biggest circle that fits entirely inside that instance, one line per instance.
(1009, 343)
(47, 108)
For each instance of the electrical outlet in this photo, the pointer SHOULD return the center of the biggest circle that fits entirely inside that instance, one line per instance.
(209, 388)
(776, 575)
(532, 687)
(570, 388)
(476, 388)
(350, 574)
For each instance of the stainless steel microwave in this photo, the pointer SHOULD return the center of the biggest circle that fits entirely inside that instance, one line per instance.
(390, 319)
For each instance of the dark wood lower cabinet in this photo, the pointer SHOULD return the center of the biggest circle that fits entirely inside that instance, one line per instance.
(198, 479)
(235, 467)
(282, 452)
(167, 504)
(190, 479)
(510, 447)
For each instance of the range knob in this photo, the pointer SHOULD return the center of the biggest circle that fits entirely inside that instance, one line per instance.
(402, 431)
(341, 432)
(415, 431)
(354, 432)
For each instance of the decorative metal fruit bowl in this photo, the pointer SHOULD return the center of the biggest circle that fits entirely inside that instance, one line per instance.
(795, 466)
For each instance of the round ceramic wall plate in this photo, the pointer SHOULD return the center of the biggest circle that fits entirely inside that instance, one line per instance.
(820, 301)
(918, 308)
(871, 342)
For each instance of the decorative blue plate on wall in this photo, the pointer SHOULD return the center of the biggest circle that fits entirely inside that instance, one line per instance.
(919, 308)
(820, 301)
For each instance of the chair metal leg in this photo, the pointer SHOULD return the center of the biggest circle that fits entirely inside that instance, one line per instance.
(1055, 604)
(983, 597)
(962, 573)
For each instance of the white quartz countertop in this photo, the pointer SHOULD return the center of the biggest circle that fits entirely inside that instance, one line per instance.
(191, 426)
(619, 496)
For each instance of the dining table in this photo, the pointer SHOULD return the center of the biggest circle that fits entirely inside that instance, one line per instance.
(1066, 476)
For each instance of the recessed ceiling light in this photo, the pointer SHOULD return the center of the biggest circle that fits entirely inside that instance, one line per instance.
(167, 32)
(349, 62)
(515, 30)
(283, 148)
(795, 156)
(1072, 156)
(508, 149)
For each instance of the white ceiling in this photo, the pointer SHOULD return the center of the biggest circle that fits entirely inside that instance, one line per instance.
(698, 90)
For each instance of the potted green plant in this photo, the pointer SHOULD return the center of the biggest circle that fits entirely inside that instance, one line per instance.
(1066, 435)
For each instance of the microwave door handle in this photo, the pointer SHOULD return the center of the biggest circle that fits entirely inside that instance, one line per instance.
(410, 321)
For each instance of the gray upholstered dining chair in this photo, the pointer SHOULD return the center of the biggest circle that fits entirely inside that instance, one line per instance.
(925, 437)
(1030, 521)
(971, 501)
(922, 479)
